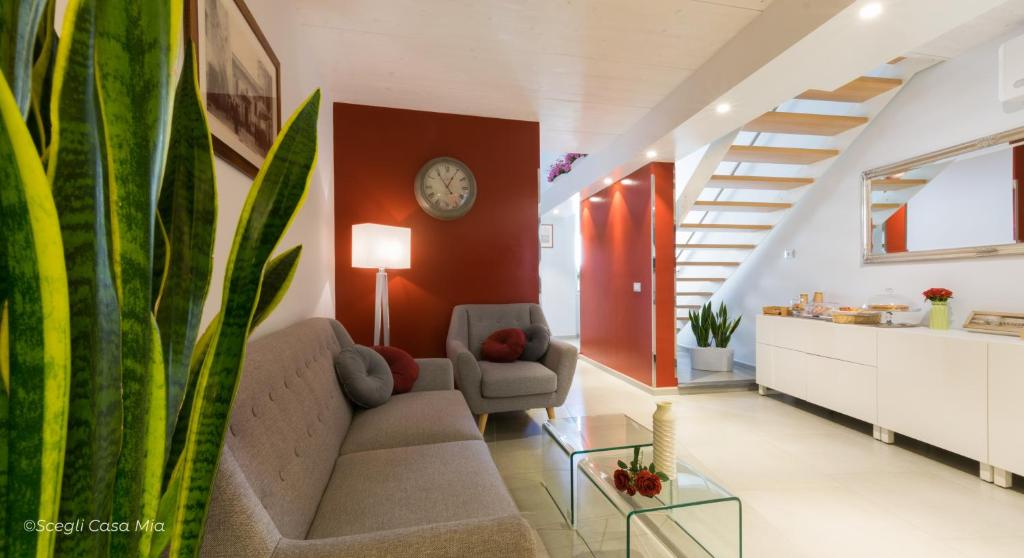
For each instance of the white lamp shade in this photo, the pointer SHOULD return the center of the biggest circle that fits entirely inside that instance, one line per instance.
(381, 246)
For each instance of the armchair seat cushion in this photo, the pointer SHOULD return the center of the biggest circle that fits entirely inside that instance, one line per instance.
(515, 379)
(411, 419)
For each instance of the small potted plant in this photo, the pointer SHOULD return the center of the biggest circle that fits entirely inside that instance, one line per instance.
(633, 478)
(707, 325)
(939, 298)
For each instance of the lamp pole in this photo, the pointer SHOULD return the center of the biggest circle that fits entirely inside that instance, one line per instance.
(381, 313)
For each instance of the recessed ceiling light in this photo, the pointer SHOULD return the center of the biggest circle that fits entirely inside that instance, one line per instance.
(871, 10)
(607, 181)
(722, 108)
(651, 153)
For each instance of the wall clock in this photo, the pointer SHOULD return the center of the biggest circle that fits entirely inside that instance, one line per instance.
(445, 188)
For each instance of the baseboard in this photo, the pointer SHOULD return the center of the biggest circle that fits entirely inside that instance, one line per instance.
(674, 390)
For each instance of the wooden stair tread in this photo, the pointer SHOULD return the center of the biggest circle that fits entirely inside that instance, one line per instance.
(804, 123)
(885, 206)
(897, 183)
(725, 227)
(760, 207)
(688, 305)
(741, 182)
(715, 264)
(778, 155)
(856, 91)
(694, 293)
(717, 246)
(702, 279)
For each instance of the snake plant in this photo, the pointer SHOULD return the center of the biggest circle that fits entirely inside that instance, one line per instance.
(708, 324)
(114, 406)
(702, 323)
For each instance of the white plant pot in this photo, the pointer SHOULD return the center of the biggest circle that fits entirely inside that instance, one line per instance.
(711, 359)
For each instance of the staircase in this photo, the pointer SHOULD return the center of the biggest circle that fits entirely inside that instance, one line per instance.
(745, 184)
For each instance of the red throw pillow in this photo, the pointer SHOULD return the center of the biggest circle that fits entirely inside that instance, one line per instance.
(504, 345)
(403, 367)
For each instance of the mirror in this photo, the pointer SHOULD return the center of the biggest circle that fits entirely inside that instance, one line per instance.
(962, 201)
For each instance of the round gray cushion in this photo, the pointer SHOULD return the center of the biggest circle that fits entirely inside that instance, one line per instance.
(364, 376)
(538, 338)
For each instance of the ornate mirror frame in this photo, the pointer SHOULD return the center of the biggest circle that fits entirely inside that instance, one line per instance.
(1015, 135)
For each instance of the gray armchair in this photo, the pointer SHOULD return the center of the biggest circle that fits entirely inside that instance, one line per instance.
(493, 387)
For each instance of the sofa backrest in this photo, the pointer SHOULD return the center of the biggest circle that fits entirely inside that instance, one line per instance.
(289, 420)
(473, 323)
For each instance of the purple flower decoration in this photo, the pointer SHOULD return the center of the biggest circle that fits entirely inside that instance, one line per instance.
(563, 165)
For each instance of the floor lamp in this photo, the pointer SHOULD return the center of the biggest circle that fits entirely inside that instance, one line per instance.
(382, 248)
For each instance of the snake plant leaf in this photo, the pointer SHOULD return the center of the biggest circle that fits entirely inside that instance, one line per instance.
(78, 175)
(276, 279)
(188, 211)
(19, 20)
(136, 50)
(278, 191)
(45, 59)
(5, 372)
(38, 336)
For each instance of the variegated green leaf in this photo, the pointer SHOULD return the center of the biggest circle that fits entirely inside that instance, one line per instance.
(276, 279)
(136, 49)
(38, 351)
(78, 175)
(19, 20)
(277, 192)
(188, 212)
(45, 59)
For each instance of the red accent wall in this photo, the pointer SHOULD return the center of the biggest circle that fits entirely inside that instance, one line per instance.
(896, 231)
(616, 324)
(664, 274)
(489, 256)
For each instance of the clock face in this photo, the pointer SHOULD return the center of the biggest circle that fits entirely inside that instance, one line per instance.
(445, 188)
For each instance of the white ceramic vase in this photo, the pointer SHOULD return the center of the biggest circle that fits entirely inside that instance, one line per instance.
(665, 439)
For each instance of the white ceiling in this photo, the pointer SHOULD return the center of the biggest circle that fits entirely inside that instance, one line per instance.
(586, 69)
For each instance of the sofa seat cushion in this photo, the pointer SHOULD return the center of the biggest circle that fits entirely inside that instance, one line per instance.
(409, 419)
(407, 487)
(515, 379)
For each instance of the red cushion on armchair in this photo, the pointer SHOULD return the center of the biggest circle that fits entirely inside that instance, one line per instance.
(403, 367)
(504, 345)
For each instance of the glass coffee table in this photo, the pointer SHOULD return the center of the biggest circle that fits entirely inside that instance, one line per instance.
(692, 516)
(568, 440)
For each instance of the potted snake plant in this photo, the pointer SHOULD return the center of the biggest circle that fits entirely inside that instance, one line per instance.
(708, 325)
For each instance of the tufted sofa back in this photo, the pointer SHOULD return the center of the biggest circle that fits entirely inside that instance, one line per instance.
(473, 323)
(289, 420)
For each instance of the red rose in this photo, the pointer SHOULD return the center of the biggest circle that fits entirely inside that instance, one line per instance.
(631, 491)
(648, 484)
(621, 477)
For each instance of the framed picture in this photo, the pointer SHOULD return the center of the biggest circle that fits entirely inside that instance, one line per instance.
(547, 236)
(239, 79)
(1001, 323)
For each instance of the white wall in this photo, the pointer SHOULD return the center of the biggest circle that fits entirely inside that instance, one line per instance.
(558, 284)
(952, 102)
(967, 204)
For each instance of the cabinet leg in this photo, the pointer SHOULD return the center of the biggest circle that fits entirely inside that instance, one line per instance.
(985, 472)
(1002, 478)
(884, 435)
(762, 389)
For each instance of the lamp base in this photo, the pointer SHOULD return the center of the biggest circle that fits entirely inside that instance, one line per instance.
(381, 312)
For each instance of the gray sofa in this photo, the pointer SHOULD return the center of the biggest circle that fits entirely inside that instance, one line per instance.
(303, 473)
(494, 387)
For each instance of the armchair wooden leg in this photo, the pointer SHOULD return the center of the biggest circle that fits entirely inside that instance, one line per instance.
(551, 413)
(481, 422)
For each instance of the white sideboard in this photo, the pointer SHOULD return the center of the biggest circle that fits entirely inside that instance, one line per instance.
(957, 390)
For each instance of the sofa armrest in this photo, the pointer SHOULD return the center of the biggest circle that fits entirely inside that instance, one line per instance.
(436, 374)
(507, 536)
(561, 359)
(467, 374)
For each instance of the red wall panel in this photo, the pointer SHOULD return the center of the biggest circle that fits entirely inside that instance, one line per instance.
(489, 256)
(896, 231)
(615, 322)
(664, 274)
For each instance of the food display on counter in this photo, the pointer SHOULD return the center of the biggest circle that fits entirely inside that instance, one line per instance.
(886, 309)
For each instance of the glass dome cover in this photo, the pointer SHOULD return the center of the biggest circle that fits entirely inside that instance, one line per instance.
(891, 301)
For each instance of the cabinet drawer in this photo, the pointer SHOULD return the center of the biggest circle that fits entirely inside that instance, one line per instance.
(852, 343)
(797, 334)
(763, 365)
(789, 371)
(934, 388)
(846, 387)
(1005, 411)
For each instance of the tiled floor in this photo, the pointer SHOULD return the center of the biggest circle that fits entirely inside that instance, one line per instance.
(813, 483)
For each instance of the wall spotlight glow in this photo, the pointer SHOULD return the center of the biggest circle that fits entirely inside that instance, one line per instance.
(651, 153)
(607, 181)
(722, 108)
(871, 10)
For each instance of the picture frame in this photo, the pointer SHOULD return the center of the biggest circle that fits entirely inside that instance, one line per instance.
(239, 80)
(999, 323)
(547, 236)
